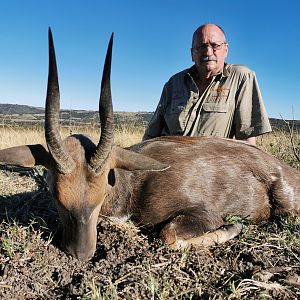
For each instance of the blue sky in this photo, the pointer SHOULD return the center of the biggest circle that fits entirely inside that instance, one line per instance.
(152, 42)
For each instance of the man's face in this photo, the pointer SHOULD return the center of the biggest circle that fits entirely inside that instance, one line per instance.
(209, 50)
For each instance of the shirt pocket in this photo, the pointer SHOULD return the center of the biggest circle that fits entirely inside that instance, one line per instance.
(176, 108)
(173, 116)
(213, 119)
(178, 103)
(214, 108)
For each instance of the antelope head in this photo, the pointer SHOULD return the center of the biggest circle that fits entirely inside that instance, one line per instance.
(78, 168)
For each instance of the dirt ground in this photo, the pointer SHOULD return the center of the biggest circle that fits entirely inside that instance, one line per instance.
(130, 262)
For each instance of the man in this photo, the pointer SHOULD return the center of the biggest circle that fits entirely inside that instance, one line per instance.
(212, 97)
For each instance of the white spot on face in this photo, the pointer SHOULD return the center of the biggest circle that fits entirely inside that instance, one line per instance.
(85, 221)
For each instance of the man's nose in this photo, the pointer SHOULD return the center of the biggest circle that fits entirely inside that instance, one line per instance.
(208, 50)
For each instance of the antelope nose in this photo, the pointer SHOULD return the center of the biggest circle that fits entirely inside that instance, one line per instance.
(83, 255)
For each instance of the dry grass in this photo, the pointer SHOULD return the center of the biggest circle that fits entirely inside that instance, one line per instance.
(15, 136)
(276, 143)
(125, 135)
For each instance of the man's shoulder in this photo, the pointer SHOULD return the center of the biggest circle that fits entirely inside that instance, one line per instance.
(239, 69)
(179, 75)
(177, 80)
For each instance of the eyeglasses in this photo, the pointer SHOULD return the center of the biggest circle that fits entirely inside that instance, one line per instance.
(213, 46)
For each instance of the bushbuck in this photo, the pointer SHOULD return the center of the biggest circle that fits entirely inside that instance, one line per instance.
(186, 186)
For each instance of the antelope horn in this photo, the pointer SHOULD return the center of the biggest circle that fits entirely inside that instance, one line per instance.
(105, 114)
(63, 162)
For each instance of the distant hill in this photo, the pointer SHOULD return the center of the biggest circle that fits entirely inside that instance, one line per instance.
(30, 115)
(11, 109)
(282, 124)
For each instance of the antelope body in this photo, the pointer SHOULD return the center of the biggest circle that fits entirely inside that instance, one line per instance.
(185, 185)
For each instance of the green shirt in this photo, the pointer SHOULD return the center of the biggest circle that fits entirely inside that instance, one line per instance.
(231, 106)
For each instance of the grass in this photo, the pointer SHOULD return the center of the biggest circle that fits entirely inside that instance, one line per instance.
(278, 144)
(18, 239)
(125, 134)
(235, 270)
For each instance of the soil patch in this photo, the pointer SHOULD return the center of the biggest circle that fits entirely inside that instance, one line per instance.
(131, 262)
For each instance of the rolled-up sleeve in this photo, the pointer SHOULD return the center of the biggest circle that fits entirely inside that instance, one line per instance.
(250, 118)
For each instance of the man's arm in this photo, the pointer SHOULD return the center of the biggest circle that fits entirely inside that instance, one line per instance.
(251, 118)
(251, 140)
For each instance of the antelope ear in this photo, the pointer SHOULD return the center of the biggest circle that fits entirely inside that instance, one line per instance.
(26, 156)
(129, 160)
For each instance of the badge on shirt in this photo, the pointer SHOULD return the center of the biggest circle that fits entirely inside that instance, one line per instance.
(218, 95)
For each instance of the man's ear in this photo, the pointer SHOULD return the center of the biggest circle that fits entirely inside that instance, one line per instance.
(192, 55)
(129, 160)
(227, 46)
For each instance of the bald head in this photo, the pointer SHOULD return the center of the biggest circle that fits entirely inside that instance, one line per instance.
(208, 27)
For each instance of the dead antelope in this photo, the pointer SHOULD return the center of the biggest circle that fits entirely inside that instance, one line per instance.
(185, 185)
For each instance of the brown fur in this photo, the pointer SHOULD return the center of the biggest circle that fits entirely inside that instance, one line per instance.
(208, 179)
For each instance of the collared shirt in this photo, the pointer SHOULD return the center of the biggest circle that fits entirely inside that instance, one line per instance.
(231, 106)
